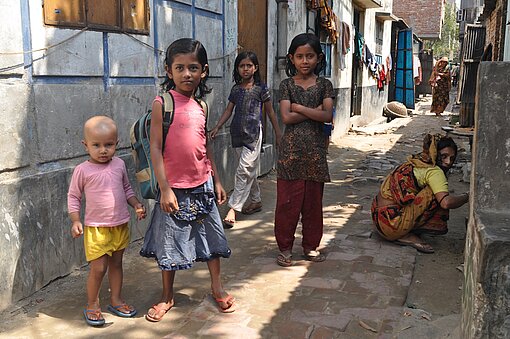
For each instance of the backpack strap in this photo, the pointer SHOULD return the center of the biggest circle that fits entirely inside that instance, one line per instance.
(168, 114)
(205, 107)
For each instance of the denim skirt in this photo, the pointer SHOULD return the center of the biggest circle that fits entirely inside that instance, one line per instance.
(194, 233)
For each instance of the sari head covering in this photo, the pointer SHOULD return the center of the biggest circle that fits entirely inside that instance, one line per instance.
(427, 157)
(442, 64)
(440, 67)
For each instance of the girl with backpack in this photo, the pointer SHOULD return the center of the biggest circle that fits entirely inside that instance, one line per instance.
(185, 225)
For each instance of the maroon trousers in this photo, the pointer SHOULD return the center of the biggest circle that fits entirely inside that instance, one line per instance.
(297, 198)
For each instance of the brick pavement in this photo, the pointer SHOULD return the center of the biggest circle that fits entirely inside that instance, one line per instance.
(360, 291)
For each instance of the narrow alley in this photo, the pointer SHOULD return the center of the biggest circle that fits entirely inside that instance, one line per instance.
(366, 288)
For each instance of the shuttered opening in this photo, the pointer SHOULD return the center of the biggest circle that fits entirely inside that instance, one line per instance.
(105, 15)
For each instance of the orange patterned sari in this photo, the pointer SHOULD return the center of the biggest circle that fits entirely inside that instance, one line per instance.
(415, 210)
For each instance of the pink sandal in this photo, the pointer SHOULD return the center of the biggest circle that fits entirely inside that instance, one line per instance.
(158, 310)
(230, 307)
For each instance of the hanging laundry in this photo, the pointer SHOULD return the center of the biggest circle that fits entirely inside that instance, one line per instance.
(328, 21)
(346, 37)
(359, 42)
(389, 67)
(327, 18)
(372, 69)
(340, 55)
(315, 4)
(369, 58)
(381, 79)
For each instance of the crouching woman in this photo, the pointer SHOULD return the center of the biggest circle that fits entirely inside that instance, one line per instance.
(414, 198)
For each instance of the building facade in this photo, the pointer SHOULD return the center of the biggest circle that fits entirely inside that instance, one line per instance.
(425, 17)
(359, 100)
(61, 65)
(495, 19)
(63, 62)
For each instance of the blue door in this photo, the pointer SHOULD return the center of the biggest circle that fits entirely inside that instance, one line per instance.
(404, 81)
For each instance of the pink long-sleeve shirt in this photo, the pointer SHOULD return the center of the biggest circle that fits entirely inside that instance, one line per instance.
(107, 190)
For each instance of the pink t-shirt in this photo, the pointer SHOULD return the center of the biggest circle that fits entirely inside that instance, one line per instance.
(185, 155)
(107, 190)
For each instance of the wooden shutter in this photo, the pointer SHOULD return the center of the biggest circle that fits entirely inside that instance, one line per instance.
(103, 14)
(135, 16)
(64, 12)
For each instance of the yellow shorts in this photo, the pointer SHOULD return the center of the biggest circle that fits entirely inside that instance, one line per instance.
(99, 241)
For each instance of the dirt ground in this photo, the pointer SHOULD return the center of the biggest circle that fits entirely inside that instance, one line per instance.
(358, 162)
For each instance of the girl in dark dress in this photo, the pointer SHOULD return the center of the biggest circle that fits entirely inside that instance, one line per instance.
(306, 103)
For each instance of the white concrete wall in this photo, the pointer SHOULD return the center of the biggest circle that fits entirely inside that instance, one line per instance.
(373, 99)
(12, 40)
(45, 104)
(15, 146)
(297, 17)
(342, 79)
(296, 25)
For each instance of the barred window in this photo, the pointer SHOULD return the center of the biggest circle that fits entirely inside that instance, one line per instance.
(379, 36)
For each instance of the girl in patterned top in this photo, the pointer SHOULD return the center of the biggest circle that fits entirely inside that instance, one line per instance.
(248, 96)
(306, 103)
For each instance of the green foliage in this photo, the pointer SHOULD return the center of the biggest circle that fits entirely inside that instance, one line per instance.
(448, 45)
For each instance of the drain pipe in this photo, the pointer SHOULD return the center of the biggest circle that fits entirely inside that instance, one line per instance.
(282, 32)
(506, 52)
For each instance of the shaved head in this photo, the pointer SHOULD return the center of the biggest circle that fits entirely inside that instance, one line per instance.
(99, 124)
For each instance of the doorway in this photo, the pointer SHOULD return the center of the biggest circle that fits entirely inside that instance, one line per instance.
(404, 79)
(253, 37)
(357, 71)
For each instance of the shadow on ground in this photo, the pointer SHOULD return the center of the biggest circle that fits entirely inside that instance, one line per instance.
(367, 288)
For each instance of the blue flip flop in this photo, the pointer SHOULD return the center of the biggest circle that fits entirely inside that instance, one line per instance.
(116, 310)
(91, 322)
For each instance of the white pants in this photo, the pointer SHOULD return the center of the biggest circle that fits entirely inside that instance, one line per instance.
(245, 183)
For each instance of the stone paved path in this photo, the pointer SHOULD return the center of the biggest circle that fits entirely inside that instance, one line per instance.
(360, 291)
